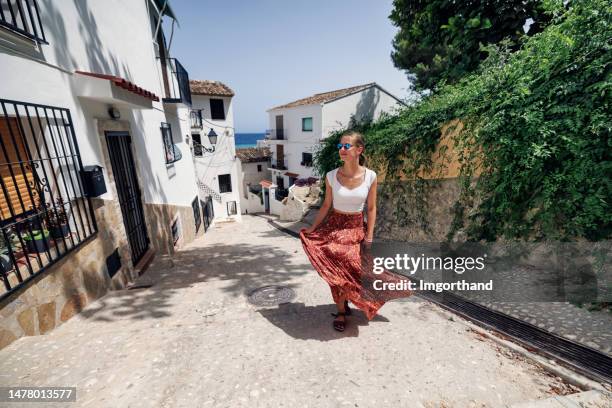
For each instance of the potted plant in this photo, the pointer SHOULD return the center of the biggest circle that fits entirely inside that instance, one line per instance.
(37, 241)
(6, 263)
(58, 221)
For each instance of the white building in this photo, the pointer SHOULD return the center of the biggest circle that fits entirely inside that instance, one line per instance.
(88, 84)
(255, 168)
(296, 128)
(217, 168)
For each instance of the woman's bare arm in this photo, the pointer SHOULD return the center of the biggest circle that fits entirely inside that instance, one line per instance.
(327, 203)
(371, 200)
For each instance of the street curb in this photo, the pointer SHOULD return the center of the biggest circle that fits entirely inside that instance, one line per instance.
(566, 374)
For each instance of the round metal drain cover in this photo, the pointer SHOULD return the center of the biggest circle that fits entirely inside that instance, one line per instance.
(271, 295)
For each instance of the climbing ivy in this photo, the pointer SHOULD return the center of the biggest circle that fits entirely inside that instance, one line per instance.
(538, 119)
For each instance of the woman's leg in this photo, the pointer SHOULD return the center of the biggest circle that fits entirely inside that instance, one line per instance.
(341, 309)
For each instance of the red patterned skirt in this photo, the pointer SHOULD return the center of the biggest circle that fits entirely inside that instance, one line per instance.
(337, 251)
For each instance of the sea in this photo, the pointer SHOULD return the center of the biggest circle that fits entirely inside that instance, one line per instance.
(248, 139)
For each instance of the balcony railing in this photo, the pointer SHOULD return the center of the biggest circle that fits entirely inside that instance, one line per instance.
(22, 17)
(176, 82)
(196, 119)
(275, 134)
(279, 164)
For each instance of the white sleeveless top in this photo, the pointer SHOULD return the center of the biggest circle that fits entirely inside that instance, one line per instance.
(350, 199)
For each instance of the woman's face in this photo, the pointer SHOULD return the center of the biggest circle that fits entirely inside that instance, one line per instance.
(352, 153)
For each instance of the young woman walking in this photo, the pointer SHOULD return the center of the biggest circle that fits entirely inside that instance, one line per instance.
(339, 247)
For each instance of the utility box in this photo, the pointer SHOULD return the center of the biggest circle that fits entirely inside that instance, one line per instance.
(93, 181)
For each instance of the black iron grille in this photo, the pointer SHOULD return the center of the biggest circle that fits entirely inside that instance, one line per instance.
(22, 17)
(44, 214)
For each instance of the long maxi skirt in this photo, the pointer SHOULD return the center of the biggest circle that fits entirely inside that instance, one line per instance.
(337, 251)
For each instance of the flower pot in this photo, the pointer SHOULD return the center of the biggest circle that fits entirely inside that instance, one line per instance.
(37, 242)
(5, 263)
(60, 231)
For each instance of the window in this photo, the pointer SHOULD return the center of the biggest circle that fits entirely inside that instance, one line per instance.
(306, 159)
(44, 211)
(307, 124)
(23, 18)
(259, 167)
(171, 151)
(231, 208)
(197, 144)
(217, 111)
(225, 183)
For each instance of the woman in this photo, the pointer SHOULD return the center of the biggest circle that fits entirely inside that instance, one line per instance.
(339, 248)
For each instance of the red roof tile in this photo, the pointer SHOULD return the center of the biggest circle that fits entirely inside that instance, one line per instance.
(325, 96)
(203, 87)
(123, 83)
(265, 183)
(290, 174)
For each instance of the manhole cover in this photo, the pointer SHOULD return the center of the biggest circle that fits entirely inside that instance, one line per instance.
(271, 295)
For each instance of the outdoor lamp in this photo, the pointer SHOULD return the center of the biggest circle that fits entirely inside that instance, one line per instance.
(212, 137)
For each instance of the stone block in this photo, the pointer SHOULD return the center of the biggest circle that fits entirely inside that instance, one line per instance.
(46, 317)
(6, 338)
(73, 306)
(26, 321)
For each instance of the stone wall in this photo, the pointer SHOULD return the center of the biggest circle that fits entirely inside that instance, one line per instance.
(160, 230)
(438, 213)
(64, 289)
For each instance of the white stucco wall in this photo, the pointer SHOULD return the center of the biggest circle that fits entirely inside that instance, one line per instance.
(94, 37)
(367, 104)
(249, 174)
(296, 141)
(223, 160)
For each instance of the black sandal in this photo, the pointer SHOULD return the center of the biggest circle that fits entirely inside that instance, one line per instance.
(347, 309)
(339, 325)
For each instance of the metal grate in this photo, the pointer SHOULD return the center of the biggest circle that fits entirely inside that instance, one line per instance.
(207, 211)
(271, 295)
(197, 215)
(44, 213)
(22, 17)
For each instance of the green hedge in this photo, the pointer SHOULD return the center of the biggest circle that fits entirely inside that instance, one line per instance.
(541, 116)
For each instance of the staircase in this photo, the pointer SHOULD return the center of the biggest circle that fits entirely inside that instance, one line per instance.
(209, 191)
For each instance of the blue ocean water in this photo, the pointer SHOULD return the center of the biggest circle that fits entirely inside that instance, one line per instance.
(243, 140)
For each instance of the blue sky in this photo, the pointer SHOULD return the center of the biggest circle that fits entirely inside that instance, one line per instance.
(272, 52)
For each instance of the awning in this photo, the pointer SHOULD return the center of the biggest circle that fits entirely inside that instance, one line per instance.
(112, 89)
(290, 174)
(167, 11)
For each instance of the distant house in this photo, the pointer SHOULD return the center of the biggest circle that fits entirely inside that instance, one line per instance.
(214, 149)
(255, 163)
(296, 128)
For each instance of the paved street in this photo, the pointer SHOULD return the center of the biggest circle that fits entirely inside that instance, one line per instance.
(193, 340)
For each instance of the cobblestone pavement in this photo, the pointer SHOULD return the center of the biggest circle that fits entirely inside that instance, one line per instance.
(192, 340)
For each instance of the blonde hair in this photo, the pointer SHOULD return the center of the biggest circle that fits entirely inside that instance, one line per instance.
(358, 140)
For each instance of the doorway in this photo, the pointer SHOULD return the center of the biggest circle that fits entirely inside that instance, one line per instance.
(130, 196)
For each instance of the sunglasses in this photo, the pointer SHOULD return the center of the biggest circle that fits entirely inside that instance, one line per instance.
(345, 145)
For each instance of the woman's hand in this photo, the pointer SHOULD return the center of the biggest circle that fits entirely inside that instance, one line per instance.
(308, 230)
(367, 241)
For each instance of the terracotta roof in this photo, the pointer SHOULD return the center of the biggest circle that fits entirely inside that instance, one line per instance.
(290, 174)
(204, 87)
(123, 83)
(253, 154)
(325, 96)
(265, 183)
